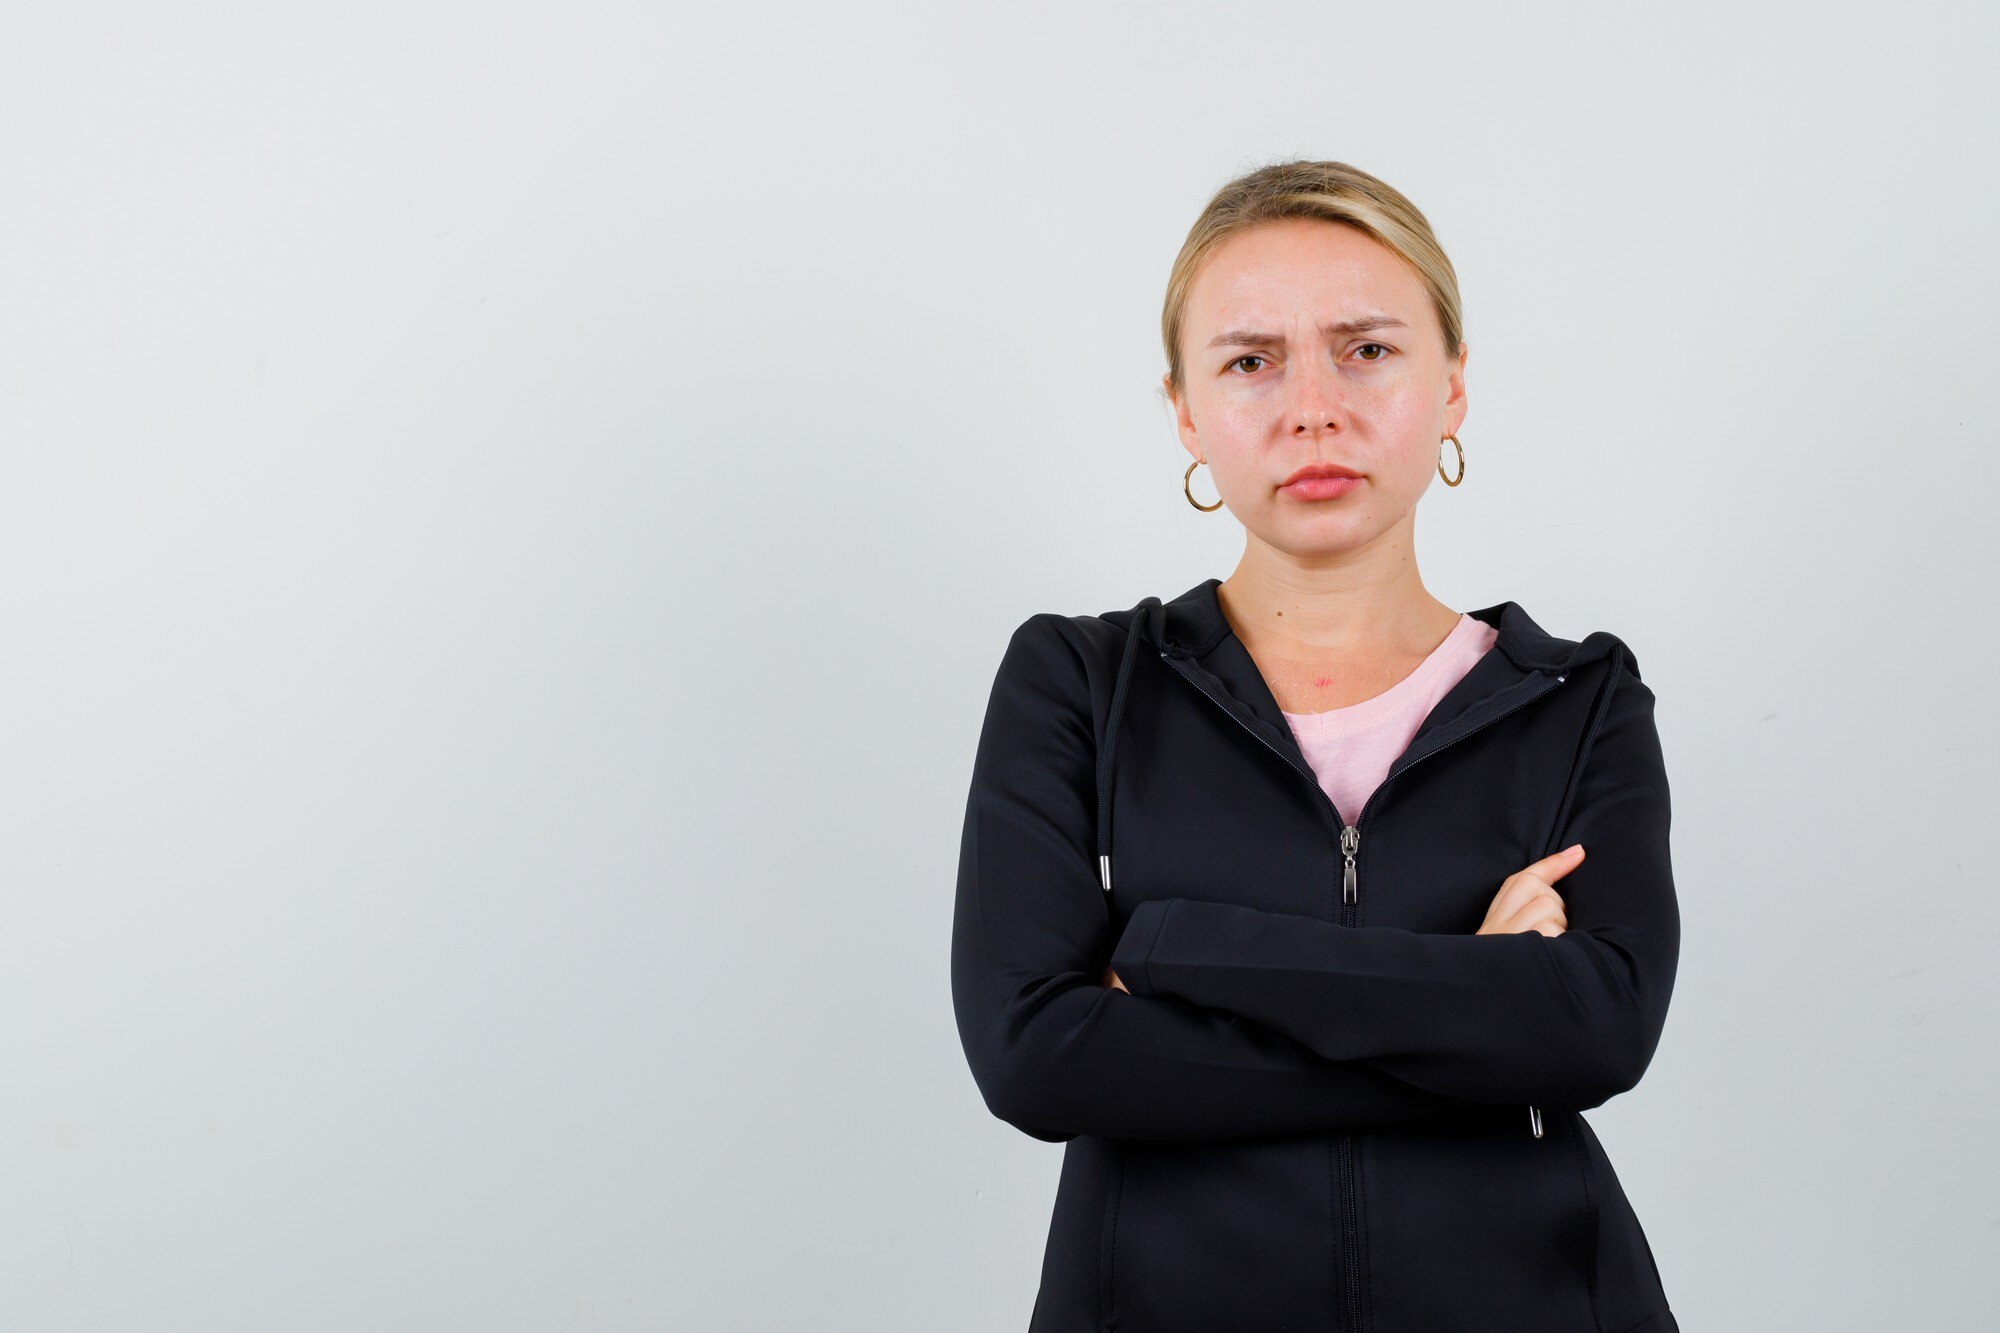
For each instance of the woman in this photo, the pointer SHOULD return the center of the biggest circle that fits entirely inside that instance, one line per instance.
(1389, 903)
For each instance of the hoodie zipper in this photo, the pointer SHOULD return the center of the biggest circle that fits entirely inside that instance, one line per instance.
(1350, 834)
(1350, 897)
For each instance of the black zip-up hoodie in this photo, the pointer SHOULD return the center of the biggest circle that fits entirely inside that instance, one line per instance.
(1327, 1103)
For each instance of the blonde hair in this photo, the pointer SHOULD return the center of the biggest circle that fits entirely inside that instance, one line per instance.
(1327, 192)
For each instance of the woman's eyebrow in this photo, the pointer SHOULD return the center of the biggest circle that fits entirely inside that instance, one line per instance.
(1336, 329)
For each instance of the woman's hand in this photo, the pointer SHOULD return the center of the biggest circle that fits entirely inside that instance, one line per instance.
(1526, 902)
(1110, 979)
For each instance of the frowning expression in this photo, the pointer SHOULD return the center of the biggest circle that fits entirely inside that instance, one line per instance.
(1310, 346)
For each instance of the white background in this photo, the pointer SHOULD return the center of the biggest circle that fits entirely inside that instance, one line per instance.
(508, 515)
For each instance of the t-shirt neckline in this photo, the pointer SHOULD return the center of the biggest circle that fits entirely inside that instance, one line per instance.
(1396, 693)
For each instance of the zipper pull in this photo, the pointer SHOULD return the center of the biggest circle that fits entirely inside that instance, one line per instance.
(1350, 842)
(1535, 1120)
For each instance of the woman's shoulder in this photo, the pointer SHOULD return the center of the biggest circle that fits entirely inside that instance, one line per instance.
(1086, 633)
(1524, 639)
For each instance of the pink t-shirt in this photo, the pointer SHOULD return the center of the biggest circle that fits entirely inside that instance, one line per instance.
(1351, 748)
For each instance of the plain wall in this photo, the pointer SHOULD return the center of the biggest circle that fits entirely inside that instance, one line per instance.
(508, 517)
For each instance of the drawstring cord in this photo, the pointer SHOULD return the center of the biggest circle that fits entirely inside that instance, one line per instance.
(1603, 706)
(1107, 752)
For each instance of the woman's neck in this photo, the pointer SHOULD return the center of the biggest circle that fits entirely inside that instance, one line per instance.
(1325, 642)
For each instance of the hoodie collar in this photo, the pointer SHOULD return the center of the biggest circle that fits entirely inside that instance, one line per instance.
(1195, 626)
(1193, 636)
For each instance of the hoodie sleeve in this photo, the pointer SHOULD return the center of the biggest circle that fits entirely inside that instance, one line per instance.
(1565, 1020)
(1054, 1052)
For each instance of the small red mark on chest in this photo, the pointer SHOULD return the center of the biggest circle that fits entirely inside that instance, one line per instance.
(1322, 682)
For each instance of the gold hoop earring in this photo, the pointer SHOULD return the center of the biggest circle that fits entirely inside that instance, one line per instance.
(1453, 481)
(1188, 490)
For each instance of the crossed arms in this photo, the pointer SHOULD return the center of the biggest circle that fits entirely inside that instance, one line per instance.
(1242, 1022)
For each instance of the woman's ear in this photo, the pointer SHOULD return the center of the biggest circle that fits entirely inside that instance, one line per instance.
(1183, 417)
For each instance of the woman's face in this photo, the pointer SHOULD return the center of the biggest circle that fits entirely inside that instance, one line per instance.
(1307, 342)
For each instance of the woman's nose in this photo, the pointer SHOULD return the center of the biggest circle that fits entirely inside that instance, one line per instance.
(1316, 401)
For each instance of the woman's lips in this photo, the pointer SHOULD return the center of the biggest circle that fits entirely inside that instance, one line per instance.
(1320, 488)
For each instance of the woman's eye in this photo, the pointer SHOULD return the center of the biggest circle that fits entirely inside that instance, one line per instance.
(1241, 359)
(1378, 346)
